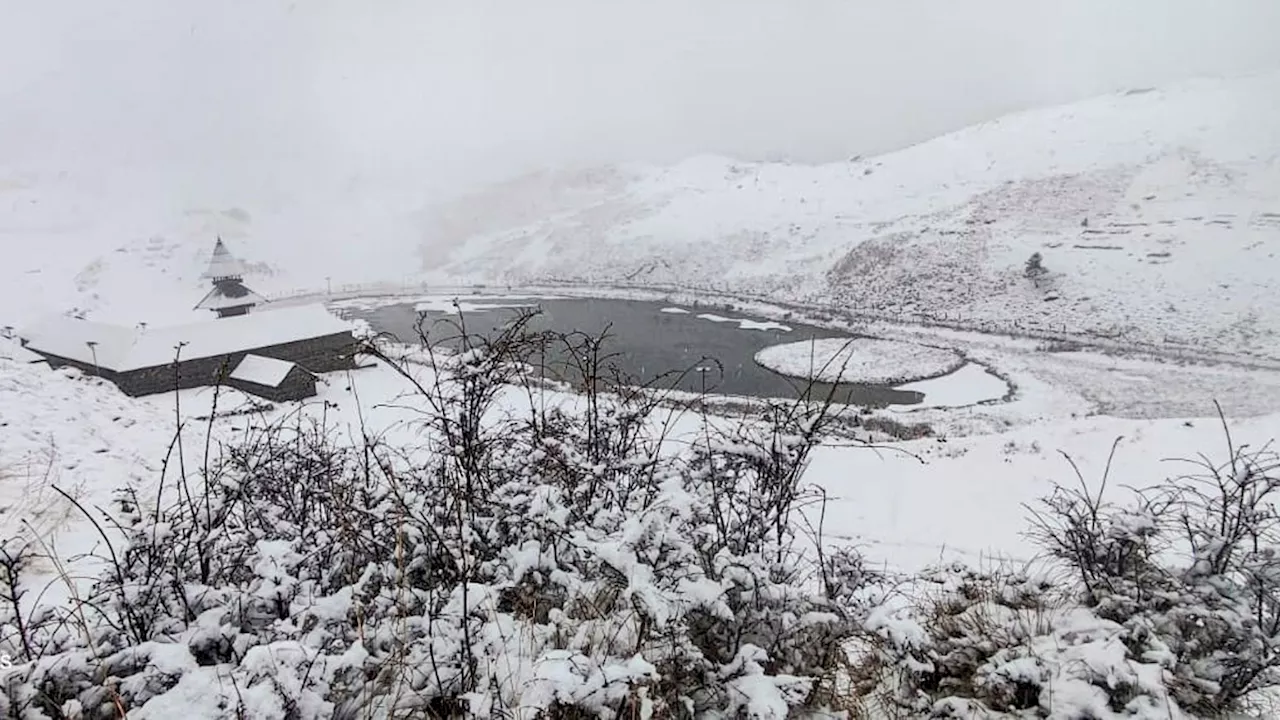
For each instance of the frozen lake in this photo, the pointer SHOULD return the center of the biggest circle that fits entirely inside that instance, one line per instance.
(651, 339)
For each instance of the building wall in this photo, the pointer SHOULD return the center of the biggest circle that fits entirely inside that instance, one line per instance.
(60, 362)
(233, 311)
(328, 353)
(188, 374)
(324, 354)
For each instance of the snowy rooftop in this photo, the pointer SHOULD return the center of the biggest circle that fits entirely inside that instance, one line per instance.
(260, 370)
(17, 353)
(121, 349)
(82, 340)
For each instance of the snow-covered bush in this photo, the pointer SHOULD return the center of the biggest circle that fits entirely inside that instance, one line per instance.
(16, 559)
(531, 562)
(1000, 644)
(1190, 569)
(1172, 610)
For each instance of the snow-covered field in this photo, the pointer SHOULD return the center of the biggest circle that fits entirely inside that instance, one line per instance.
(906, 506)
(1153, 210)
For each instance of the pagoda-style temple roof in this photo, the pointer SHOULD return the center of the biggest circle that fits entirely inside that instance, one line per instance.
(228, 294)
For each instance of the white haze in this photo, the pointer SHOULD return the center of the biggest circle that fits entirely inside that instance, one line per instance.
(430, 97)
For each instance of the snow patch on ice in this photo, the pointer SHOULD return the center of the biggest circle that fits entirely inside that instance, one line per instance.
(970, 385)
(870, 361)
(744, 323)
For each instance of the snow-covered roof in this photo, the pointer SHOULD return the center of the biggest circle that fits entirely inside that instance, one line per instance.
(228, 295)
(223, 264)
(122, 349)
(17, 353)
(88, 342)
(261, 370)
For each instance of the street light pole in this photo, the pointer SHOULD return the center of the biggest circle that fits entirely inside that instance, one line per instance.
(93, 349)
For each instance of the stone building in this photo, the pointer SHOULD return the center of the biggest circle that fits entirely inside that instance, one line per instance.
(148, 360)
(273, 354)
(278, 380)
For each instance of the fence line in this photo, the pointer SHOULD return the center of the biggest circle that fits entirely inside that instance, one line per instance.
(347, 290)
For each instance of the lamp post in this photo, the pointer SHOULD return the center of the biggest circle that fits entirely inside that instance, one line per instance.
(93, 350)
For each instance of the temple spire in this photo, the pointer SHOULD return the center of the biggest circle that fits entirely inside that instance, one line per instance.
(229, 297)
(223, 265)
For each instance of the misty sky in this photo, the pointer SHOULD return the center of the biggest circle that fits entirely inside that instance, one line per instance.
(446, 93)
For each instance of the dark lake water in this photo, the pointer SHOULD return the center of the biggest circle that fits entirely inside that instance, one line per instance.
(649, 343)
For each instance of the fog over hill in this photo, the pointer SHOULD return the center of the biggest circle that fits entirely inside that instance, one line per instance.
(454, 92)
(313, 132)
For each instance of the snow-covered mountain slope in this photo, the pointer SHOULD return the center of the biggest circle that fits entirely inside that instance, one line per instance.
(1157, 213)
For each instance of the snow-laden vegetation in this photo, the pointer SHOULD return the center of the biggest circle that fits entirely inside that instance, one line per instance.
(1171, 609)
(520, 560)
(537, 564)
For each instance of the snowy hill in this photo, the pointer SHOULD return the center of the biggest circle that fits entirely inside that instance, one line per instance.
(1156, 211)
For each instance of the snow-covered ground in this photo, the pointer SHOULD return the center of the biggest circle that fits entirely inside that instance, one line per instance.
(1156, 212)
(907, 506)
(1153, 211)
(925, 501)
(859, 360)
